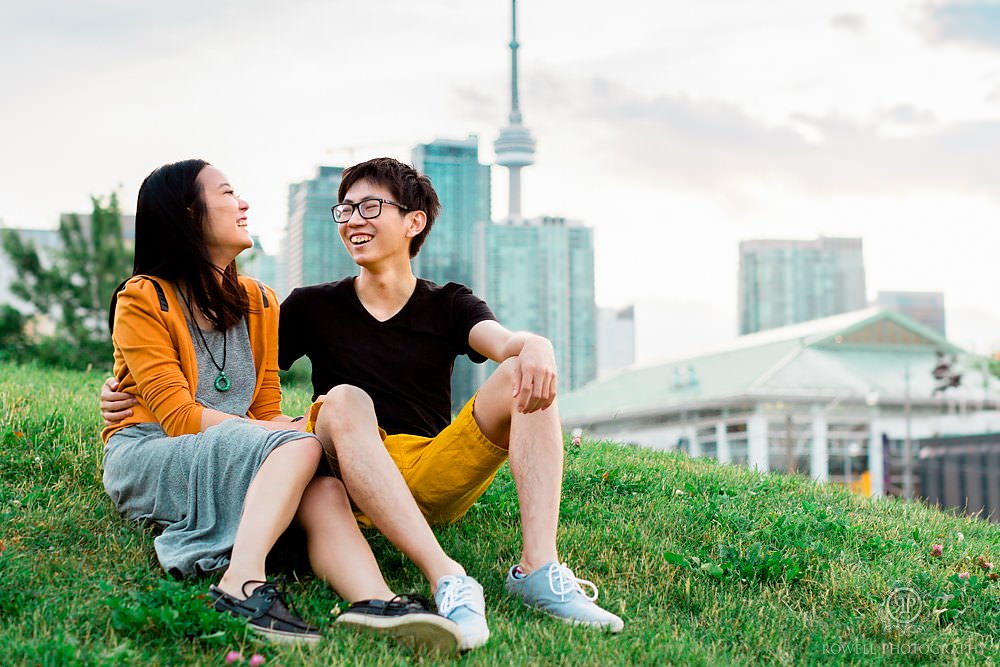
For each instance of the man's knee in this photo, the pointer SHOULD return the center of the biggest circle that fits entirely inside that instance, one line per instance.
(495, 403)
(499, 386)
(346, 396)
(344, 406)
(506, 370)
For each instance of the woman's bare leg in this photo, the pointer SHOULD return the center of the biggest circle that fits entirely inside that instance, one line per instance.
(272, 500)
(338, 551)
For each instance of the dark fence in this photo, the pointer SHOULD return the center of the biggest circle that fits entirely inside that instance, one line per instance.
(963, 473)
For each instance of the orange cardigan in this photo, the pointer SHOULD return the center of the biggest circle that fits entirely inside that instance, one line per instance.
(156, 362)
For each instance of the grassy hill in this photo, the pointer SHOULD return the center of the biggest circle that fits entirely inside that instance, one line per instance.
(708, 564)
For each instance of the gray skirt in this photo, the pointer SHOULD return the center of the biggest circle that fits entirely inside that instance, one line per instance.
(192, 485)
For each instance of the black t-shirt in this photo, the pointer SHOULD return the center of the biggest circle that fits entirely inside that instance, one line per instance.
(404, 363)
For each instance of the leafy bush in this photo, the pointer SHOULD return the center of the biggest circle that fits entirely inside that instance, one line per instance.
(172, 610)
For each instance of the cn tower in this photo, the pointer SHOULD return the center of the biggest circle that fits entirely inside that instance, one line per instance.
(515, 148)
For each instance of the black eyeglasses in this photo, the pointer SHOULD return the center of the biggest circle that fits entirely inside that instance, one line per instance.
(367, 209)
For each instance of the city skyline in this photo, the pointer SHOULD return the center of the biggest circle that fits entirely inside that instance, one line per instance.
(722, 122)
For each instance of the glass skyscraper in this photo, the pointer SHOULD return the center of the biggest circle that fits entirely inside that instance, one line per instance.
(582, 308)
(269, 269)
(463, 186)
(786, 282)
(449, 254)
(615, 340)
(314, 251)
(540, 278)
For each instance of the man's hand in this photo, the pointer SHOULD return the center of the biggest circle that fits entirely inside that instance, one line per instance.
(115, 406)
(535, 375)
(534, 384)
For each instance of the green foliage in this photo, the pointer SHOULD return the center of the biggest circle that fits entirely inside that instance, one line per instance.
(299, 376)
(13, 339)
(74, 289)
(708, 564)
(961, 595)
(993, 365)
(171, 610)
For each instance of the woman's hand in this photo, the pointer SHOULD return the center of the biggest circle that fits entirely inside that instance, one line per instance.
(115, 405)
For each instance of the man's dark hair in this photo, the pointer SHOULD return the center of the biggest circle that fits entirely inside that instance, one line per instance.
(406, 185)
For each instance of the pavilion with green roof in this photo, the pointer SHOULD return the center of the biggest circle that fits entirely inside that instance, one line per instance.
(811, 397)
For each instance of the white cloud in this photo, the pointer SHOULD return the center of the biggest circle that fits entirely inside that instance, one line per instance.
(850, 22)
(680, 142)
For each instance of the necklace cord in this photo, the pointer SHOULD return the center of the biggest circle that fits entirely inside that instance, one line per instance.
(222, 381)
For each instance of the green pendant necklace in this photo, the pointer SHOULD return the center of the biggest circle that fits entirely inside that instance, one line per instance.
(222, 382)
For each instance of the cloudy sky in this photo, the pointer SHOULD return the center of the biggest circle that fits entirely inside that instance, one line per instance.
(675, 128)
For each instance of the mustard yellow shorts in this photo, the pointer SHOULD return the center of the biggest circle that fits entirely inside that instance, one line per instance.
(447, 473)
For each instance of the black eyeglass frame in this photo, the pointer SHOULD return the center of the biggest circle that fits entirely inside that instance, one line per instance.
(357, 207)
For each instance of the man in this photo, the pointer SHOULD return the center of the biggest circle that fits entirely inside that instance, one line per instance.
(396, 337)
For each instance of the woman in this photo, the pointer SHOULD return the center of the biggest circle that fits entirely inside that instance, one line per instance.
(206, 452)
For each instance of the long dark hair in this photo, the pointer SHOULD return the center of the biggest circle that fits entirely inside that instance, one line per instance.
(170, 244)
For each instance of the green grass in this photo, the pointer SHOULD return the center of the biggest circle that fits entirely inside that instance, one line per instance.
(708, 564)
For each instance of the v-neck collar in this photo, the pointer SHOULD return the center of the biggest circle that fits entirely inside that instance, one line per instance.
(364, 309)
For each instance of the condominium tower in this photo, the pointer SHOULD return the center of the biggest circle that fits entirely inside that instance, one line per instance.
(785, 282)
(540, 278)
(314, 251)
(615, 340)
(463, 186)
(450, 253)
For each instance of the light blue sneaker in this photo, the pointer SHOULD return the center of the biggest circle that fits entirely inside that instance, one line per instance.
(554, 589)
(461, 600)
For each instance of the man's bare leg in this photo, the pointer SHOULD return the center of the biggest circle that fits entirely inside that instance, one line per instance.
(535, 446)
(347, 424)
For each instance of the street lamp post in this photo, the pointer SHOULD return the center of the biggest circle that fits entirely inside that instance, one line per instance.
(907, 442)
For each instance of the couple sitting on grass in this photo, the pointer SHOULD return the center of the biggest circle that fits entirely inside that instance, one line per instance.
(196, 442)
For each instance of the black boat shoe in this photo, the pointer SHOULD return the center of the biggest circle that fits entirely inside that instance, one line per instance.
(267, 613)
(406, 618)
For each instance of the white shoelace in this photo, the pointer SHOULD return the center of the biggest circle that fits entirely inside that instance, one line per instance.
(563, 582)
(456, 594)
